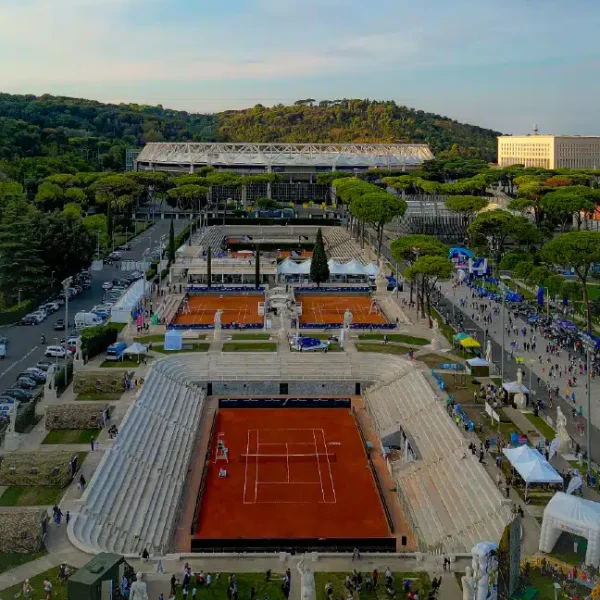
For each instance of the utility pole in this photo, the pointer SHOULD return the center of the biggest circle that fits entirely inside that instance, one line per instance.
(19, 301)
(66, 284)
(589, 344)
(503, 333)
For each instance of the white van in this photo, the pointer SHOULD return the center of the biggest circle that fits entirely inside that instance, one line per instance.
(87, 319)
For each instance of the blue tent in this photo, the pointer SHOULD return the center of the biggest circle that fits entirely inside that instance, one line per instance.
(460, 252)
(173, 340)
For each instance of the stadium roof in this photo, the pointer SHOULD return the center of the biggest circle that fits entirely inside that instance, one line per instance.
(387, 156)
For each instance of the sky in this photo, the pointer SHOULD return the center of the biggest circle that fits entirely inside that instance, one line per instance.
(500, 64)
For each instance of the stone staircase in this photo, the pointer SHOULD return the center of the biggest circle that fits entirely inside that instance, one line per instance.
(131, 502)
(210, 237)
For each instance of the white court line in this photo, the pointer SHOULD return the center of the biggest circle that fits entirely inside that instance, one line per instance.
(292, 482)
(256, 475)
(319, 466)
(246, 468)
(329, 466)
(287, 460)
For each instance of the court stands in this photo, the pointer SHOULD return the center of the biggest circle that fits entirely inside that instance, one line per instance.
(447, 495)
(132, 501)
(210, 236)
(340, 246)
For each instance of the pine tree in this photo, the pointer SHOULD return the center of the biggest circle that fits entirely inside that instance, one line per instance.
(171, 254)
(319, 269)
(257, 268)
(209, 265)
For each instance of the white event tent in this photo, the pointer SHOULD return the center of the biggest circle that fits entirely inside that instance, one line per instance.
(129, 302)
(532, 466)
(352, 267)
(574, 515)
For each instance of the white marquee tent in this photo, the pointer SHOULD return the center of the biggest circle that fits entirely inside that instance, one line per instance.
(352, 267)
(575, 515)
(130, 301)
(532, 466)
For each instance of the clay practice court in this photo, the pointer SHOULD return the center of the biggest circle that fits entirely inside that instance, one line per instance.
(330, 309)
(291, 474)
(241, 309)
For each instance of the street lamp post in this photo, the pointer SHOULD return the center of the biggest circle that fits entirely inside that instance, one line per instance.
(66, 285)
(19, 293)
(589, 345)
(503, 332)
(52, 280)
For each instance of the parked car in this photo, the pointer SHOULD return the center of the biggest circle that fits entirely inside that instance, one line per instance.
(115, 351)
(30, 320)
(107, 285)
(6, 399)
(26, 383)
(44, 365)
(37, 371)
(40, 314)
(19, 394)
(55, 351)
(126, 247)
(33, 376)
(116, 255)
(59, 325)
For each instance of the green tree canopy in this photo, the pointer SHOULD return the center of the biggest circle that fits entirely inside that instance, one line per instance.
(410, 247)
(492, 228)
(579, 250)
(319, 269)
(466, 205)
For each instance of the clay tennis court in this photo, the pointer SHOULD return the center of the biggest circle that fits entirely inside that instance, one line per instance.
(291, 473)
(330, 309)
(241, 309)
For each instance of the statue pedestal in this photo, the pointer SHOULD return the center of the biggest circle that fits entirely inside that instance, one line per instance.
(12, 441)
(50, 393)
(217, 334)
(435, 344)
(381, 285)
(78, 363)
(520, 400)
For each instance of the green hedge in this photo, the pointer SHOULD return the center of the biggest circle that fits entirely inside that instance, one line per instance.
(15, 313)
(25, 417)
(59, 380)
(95, 340)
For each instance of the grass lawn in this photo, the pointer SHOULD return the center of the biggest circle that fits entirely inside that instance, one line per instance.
(395, 337)
(380, 348)
(16, 495)
(218, 587)
(245, 347)
(14, 559)
(59, 591)
(491, 429)
(120, 364)
(98, 397)
(196, 347)
(541, 426)
(435, 360)
(71, 436)
(420, 582)
(250, 336)
(545, 585)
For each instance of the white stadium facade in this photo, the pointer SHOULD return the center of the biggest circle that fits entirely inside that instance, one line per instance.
(295, 162)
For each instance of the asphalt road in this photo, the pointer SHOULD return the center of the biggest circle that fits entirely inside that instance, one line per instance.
(25, 349)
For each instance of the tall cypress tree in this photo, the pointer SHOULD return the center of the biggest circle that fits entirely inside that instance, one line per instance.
(171, 243)
(257, 268)
(109, 222)
(209, 265)
(319, 269)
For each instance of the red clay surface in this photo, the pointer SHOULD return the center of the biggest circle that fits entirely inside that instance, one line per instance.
(292, 473)
(236, 309)
(323, 308)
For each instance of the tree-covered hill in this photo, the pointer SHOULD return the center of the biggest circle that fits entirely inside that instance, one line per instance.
(356, 121)
(40, 135)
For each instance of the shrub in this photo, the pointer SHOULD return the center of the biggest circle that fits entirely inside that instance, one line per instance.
(95, 340)
(59, 379)
(15, 313)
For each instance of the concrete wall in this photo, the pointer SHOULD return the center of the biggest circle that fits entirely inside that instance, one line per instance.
(295, 388)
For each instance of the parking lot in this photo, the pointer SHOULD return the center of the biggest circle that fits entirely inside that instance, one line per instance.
(25, 348)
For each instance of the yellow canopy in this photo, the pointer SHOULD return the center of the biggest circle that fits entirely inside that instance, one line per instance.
(469, 342)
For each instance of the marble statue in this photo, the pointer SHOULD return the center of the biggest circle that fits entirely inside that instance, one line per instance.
(12, 415)
(348, 318)
(307, 581)
(469, 584)
(218, 318)
(488, 352)
(485, 569)
(380, 280)
(561, 432)
(519, 398)
(139, 589)
(435, 340)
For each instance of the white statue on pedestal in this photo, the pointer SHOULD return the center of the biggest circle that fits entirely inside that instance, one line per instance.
(139, 590)
(562, 435)
(519, 398)
(50, 386)
(488, 352)
(217, 322)
(12, 440)
(342, 337)
(469, 585)
(12, 415)
(380, 279)
(307, 581)
(435, 340)
(348, 318)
